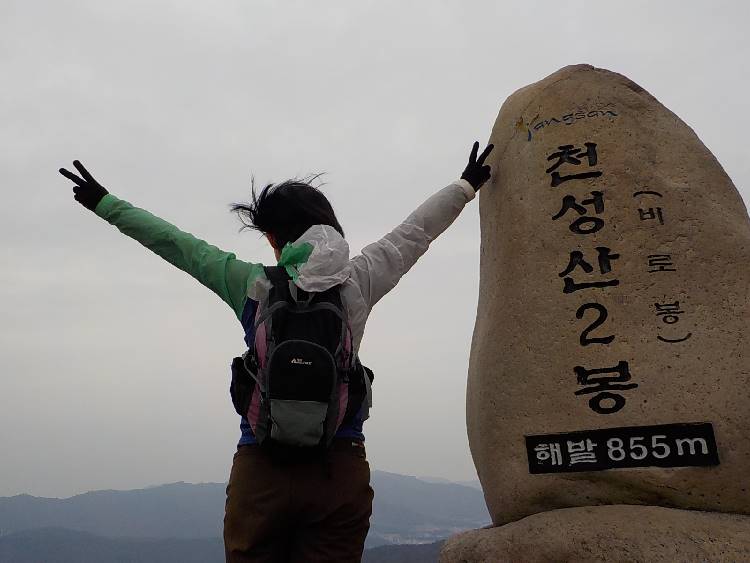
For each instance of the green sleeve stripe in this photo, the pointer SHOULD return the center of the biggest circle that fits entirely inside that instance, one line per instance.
(218, 270)
(105, 205)
(293, 256)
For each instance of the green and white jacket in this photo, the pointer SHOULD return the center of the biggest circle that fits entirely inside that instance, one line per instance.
(317, 261)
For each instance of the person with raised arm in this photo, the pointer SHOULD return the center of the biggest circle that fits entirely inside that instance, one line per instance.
(282, 509)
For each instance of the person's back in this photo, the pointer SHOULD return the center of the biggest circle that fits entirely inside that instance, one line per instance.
(310, 508)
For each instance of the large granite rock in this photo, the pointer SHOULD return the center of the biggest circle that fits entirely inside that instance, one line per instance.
(607, 533)
(614, 301)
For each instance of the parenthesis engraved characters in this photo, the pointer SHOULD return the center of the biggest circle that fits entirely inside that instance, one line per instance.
(670, 315)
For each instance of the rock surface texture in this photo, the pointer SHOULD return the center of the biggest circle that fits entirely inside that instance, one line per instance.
(610, 362)
(607, 533)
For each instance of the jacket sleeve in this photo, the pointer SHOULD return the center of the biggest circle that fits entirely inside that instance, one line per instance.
(218, 270)
(381, 264)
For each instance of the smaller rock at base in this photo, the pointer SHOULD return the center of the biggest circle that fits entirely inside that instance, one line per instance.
(607, 533)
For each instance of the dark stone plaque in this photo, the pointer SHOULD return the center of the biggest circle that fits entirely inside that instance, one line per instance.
(665, 445)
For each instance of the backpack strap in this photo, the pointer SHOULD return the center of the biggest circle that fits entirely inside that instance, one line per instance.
(279, 279)
(368, 377)
(282, 283)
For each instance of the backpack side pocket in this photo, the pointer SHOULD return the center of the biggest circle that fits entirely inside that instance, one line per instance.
(241, 387)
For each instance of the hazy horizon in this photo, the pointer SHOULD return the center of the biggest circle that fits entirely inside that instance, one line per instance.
(115, 365)
(470, 483)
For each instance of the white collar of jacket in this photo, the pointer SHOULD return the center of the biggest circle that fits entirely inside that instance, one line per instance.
(328, 263)
(325, 267)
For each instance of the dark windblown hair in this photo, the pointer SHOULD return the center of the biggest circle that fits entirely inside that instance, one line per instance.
(286, 210)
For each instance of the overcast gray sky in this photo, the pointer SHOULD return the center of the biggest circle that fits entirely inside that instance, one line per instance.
(114, 365)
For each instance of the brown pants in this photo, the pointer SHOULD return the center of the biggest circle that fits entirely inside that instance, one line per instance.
(314, 510)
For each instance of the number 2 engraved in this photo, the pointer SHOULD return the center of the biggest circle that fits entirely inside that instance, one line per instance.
(599, 321)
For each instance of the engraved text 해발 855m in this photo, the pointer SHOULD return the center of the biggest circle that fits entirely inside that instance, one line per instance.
(666, 445)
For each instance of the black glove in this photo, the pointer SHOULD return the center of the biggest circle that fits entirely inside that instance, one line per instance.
(477, 172)
(88, 192)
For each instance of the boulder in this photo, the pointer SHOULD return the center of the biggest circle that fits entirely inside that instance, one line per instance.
(610, 362)
(607, 533)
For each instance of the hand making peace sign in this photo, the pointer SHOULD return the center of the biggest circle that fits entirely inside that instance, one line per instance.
(477, 172)
(88, 192)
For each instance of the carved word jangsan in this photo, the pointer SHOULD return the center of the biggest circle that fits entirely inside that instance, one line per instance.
(568, 119)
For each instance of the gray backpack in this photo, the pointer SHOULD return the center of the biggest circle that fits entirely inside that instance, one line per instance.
(300, 381)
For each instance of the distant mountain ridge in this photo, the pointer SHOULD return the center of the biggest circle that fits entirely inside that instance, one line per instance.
(56, 545)
(175, 510)
(406, 510)
(474, 484)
